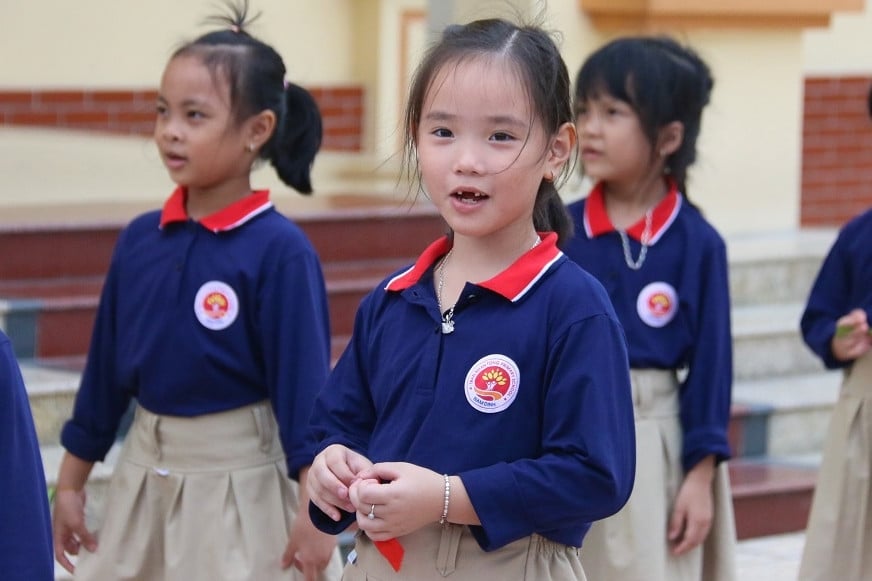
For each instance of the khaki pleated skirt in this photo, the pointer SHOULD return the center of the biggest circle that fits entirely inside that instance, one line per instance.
(632, 545)
(438, 552)
(203, 498)
(838, 542)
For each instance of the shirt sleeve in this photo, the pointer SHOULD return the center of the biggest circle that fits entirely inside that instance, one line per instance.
(293, 315)
(587, 466)
(100, 400)
(344, 412)
(706, 393)
(25, 527)
(828, 300)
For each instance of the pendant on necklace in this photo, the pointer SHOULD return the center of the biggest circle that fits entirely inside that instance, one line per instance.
(448, 322)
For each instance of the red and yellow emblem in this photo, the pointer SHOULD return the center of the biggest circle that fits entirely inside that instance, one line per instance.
(216, 305)
(657, 304)
(492, 383)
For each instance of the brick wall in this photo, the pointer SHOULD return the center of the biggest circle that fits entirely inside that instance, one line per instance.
(836, 150)
(132, 112)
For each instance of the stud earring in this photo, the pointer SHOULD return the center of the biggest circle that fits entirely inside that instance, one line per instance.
(249, 148)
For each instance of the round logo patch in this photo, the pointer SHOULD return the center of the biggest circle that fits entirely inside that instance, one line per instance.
(216, 305)
(657, 304)
(492, 383)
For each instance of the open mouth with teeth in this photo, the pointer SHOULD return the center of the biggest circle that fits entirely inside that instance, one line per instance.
(470, 197)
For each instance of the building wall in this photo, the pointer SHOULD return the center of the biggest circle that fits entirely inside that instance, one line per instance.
(837, 130)
(94, 64)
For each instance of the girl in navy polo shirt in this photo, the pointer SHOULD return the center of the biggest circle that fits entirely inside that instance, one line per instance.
(835, 325)
(480, 418)
(214, 318)
(639, 103)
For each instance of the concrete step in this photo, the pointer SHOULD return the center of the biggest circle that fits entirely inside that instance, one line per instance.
(48, 318)
(52, 392)
(77, 241)
(783, 416)
(767, 342)
(776, 267)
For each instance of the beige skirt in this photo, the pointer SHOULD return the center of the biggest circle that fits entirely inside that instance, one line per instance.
(202, 498)
(632, 545)
(437, 552)
(838, 542)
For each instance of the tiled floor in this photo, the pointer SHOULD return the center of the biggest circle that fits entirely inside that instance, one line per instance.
(774, 558)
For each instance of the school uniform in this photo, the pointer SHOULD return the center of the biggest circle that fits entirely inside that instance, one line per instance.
(219, 330)
(25, 521)
(675, 310)
(527, 400)
(840, 524)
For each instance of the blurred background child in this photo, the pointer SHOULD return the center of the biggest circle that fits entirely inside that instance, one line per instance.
(639, 104)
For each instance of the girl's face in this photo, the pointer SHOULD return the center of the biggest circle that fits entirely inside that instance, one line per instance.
(199, 142)
(612, 144)
(481, 153)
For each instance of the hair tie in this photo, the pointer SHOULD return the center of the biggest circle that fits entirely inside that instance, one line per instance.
(234, 28)
(286, 84)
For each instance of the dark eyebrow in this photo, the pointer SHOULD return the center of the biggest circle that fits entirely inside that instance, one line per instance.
(495, 119)
(185, 103)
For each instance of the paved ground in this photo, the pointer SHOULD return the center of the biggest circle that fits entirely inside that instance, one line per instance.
(774, 558)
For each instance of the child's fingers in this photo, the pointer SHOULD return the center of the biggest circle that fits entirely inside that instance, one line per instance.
(383, 471)
(64, 562)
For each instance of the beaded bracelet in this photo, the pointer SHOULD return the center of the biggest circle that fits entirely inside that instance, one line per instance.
(447, 498)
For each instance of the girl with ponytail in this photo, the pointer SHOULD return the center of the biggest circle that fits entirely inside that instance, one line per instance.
(213, 317)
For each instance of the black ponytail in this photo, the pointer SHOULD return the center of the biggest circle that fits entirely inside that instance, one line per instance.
(550, 214)
(297, 139)
(255, 74)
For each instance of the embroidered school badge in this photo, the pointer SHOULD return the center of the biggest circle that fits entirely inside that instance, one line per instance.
(216, 305)
(492, 383)
(657, 304)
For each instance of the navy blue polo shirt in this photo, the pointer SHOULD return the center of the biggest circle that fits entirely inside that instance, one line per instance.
(844, 283)
(675, 309)
(203, 317)
(528, 400)
(25, 520)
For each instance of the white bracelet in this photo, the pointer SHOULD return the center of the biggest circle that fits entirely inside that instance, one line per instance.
(445, 502)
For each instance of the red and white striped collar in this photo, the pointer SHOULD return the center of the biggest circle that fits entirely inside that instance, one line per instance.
(227, 218)
(597, 222)
(512, 283)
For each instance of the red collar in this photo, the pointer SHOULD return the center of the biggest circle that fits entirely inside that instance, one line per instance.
(596, 220)
(228, 218)
(512, 283)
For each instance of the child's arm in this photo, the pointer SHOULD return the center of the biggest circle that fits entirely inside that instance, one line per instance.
(823, 324)
(68, 521)
(309, 550)
(705, 395)
(692, 514)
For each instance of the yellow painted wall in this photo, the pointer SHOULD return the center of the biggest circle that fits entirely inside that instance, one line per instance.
(112, 43)
(747, 174)
(841, 49)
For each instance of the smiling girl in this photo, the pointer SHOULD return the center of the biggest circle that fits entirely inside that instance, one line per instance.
(480, 418)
